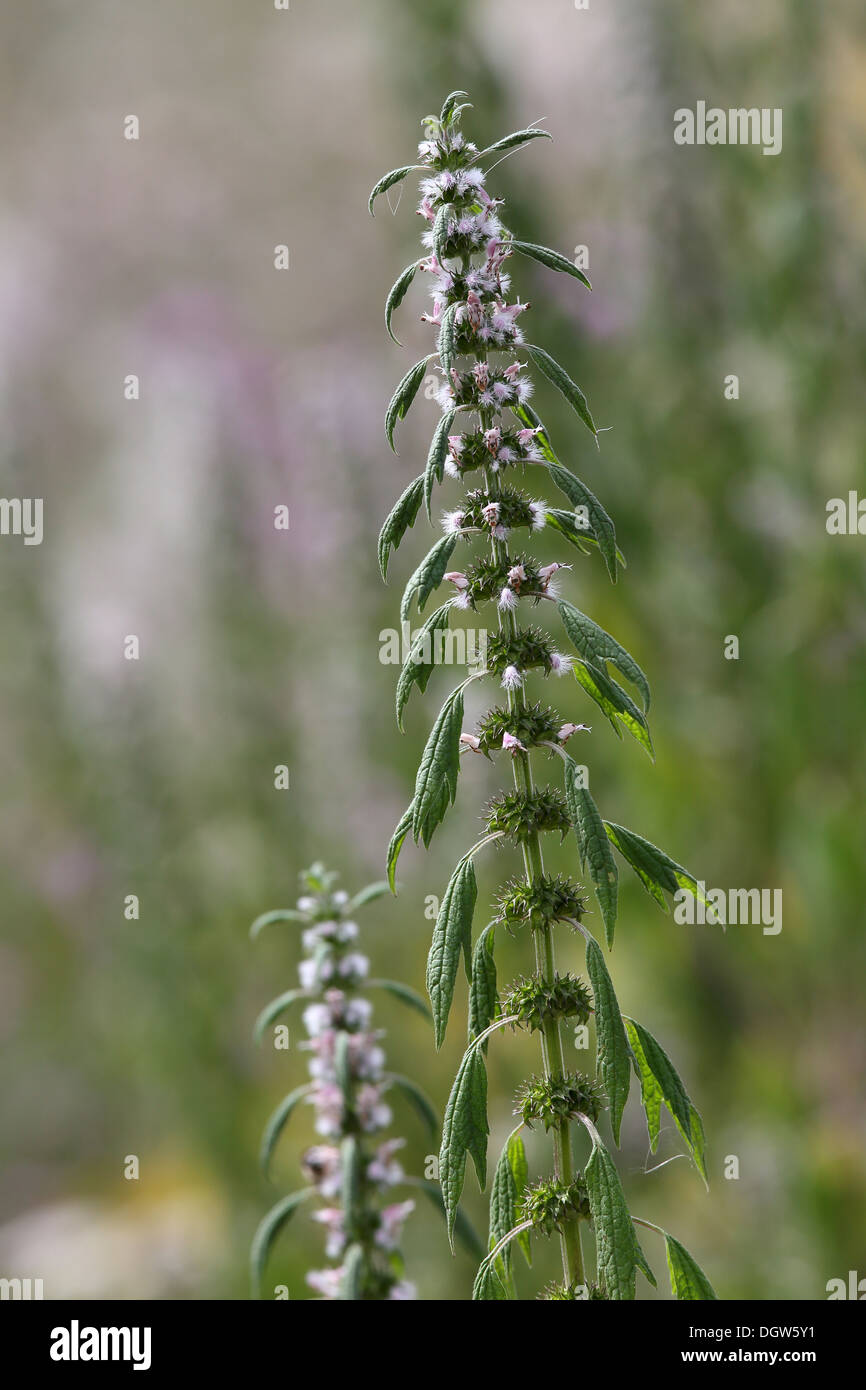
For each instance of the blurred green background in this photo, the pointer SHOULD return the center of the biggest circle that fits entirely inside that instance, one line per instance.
(259, 647)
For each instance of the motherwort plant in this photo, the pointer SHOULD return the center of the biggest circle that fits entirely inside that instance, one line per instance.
(352, 1168)
(488, 436)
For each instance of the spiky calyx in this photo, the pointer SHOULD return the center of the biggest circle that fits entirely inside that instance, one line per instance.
(548, 898)
(572, 1293)
(528, 649)
(557, 1098)
(549, 1205)
(531, 725)
(520, 815)
(536, 1002)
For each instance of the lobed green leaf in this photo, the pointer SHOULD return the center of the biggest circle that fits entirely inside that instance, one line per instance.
(660, 1081)
(428, 576)
(436, 780)
(563, 383)
(593, 846)
(397, 294)
(403, 397)
(464, 1131)
(552, 259)
(614, 1058)
(451, 935)
(598, 647)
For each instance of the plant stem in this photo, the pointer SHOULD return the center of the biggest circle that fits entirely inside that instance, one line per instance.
(545, 958)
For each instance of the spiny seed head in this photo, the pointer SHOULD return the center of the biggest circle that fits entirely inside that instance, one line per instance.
(489, 576)
(548, 898)
(509, 509)
(527, 649)
(536, 1002)
(522, 814)
(550, 1204)
(532, 725)
(558, 1098)
(572, 1293)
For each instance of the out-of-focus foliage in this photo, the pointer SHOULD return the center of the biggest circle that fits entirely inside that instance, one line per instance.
(261, 647)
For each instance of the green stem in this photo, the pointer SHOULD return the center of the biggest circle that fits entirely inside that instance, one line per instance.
(545, 957)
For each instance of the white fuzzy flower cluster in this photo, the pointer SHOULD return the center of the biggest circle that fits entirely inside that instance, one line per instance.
(346, 1064)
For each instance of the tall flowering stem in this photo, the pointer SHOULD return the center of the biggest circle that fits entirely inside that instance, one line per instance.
(488, 432)
(353, 1167)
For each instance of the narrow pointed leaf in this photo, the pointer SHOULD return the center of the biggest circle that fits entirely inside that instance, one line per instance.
(282, 914)
(397, 294)
(402, 829)
(449, 105)
(601, 525)
(615, 703)
(594, 847)
(563, 383)
(435, 470)
(447, 335)
(277, 1006)
(428, 576)
(451, 935)
(420, 663)
(552, 259)
(578, 533)
(436, 780)
(464, 1131)
(398, 521)
(615, 1240)
(388, 181)
(517, 137)
(660, 1081)
(483, 999)
(614, 1058)
(367, 895)
(509, 1184)
(405, 994)
(658, 873)
(419, 1100)
(267, 1232)
(688, 1280)
(599, 647)
(403, 398)
(276, 1124)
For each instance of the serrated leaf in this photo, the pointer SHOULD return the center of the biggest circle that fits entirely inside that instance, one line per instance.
(403, 397)
(483, 998)
(367, 895)
(436, 780)
(417, 669)
(276, 1007)
(388, 181)
(642, 1262)
(488, 1286)
(580, 496)
(614, 702)
(397, 294)
(517, 137)
(402, 515)
(464, 1231)
(282, 914)
(439, 235)
(464, 1130)
(435, 470)
(552, 259)
(660, 1081)
(352, 1281)
(613, 1056)
(405, 994)
(599, 647)
(581, 536)
(615, 1240)
(267, 1232)
(420, 1102)
(506, 1193)
(688, 1280)
(451, 935)
(447, 336)
(428, 576)
(276, 1124)
(559, 377)
(401, 830)
(658, 873)
(593, 846)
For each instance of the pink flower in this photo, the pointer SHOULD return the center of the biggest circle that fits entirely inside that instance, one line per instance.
(567, 730)
(470, 741)
(391, 1224)
(560, 664)
(507, 600)
(512, 678)
(512, 745)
